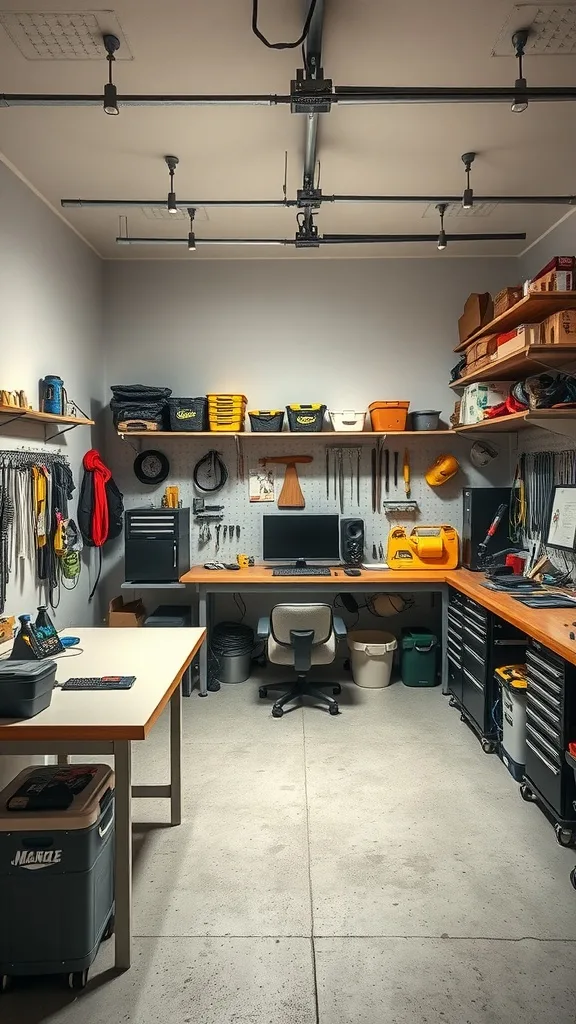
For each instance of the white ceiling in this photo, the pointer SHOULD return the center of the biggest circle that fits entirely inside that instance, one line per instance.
(227, 153)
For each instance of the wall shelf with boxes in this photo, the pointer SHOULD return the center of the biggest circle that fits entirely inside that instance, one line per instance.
(557, 420)
(533, 308)
(11, 413)
(529, 360)
(352, 435)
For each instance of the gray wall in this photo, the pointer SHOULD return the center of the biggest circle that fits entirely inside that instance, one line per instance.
(559, 242)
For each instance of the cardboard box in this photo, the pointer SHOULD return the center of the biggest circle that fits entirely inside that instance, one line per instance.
(557, 263)
(479, 397)
(555, 281)
(478, 311)
(560, 328)
(515, 341)
(7, 628)
(507, 298)
(124, 615)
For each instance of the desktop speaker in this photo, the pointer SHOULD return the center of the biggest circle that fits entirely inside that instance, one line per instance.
(352, 541)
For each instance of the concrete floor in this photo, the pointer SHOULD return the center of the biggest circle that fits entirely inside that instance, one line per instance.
(371, 867)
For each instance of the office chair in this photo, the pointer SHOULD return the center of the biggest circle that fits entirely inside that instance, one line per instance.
(301, 635)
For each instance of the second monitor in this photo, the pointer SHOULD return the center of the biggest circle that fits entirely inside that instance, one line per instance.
(296, 538)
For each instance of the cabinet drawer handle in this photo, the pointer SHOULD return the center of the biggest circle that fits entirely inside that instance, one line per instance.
(453, 635)
(543, 725)
(543, 680)
(547, 746)
(477, 634)
(531, 700)
(558, 672)
(473, 653)
(551, 767)
(472, 680)
(543, 693)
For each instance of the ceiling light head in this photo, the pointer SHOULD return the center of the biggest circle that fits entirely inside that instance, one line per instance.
(171, 163)
(519, 40)
(110, 99)
(468, 194)
(442, 240)
(191, 236)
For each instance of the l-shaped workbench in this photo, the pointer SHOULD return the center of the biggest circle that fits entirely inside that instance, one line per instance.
(552, 627)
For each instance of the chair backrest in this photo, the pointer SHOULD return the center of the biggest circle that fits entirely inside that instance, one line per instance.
(286, 617)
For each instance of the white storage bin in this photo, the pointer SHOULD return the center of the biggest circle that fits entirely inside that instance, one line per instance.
(372, 654)
(348, 420)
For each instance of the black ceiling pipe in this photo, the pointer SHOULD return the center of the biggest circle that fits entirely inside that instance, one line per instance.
(157, 204)
(313, 56)
(322, 239)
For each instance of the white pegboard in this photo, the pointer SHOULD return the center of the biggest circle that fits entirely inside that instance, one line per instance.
(436, 505)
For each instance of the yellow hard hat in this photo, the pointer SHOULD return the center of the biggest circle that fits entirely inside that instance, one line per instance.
(445, 467)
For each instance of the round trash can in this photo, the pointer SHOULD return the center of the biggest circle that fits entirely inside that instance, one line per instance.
(372, 654)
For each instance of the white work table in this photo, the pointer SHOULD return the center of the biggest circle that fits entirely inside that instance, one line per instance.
(96, 722)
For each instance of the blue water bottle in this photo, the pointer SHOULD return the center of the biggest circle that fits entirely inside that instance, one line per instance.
(52, 394)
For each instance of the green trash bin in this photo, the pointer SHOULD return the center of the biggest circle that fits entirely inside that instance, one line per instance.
(419, 657)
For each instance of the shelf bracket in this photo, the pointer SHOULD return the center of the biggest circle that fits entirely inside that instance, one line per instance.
(11, 419)
(59, 432)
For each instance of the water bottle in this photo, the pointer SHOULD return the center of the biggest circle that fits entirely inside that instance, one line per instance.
(52, 394)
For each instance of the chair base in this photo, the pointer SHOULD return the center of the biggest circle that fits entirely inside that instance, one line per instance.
(302, 688)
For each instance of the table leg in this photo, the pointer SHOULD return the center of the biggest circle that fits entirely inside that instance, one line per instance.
(176, 757)
(123, 853)
(444, 645)
(62, 759)
(203, 621)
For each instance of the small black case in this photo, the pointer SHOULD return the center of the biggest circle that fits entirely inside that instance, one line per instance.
(25, 687)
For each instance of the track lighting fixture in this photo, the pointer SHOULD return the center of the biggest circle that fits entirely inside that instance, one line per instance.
(468, 194)
(191, 236)
(111, 44)
(172, 162)
(442, 241)
(520, 103)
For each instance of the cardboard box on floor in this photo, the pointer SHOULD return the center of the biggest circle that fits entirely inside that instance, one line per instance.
(124, 615)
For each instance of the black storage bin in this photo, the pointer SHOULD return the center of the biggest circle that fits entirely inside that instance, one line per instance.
(188, 413)
(56, 870)
(266, 421)
(25, 687)
(306, 418)
(142, 393)
(154, 412)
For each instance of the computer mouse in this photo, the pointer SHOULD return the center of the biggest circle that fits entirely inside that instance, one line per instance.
(352, 572)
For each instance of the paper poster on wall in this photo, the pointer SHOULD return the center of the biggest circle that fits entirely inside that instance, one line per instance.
(562, 525)
(262, 483)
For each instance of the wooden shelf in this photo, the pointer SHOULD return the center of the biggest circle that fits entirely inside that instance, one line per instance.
(520, 421)
(533, 359)
(532, 309)
(321, 435)
(43, 417)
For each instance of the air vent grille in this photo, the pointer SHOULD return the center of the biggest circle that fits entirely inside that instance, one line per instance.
(161, 213)
(457, 210)
(552, 30)
(53, 35)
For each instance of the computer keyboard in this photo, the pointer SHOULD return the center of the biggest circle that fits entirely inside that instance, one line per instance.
(301, 570)
(99, 683)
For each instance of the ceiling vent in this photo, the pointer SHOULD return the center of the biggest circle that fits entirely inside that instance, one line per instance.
(457, 210)
(52, 35)
(162, 213)
(552, 30)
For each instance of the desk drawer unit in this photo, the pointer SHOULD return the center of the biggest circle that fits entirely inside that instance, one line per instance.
(454, 645)
(550, 726)
(156, 544)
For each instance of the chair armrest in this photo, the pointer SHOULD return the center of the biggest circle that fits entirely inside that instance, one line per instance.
(339, 627)
(263, 630)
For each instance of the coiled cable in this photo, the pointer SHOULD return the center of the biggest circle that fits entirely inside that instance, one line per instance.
(210, 472)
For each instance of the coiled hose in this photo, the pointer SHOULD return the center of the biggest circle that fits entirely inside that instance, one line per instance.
(229, 640)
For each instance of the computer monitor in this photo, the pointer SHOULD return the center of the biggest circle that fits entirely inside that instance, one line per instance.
(300, 537)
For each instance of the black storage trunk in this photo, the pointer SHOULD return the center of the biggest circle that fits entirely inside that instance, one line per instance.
(25, 687)
(57, 876)
(188, 413)
(156, 544)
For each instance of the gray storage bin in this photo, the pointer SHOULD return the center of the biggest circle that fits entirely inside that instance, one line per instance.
(57, 874)
(25, 687)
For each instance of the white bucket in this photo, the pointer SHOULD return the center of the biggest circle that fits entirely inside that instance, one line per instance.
(372, 653)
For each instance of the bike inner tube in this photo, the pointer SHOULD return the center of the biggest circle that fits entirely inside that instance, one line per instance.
(210, 473)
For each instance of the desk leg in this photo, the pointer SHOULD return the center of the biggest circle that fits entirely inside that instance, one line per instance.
(176, 757)
(123, 853)
(444, 675)
(203, 621)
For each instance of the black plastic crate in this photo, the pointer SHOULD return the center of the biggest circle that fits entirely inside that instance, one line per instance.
(306, 418)
(188, 413)
(267, 421)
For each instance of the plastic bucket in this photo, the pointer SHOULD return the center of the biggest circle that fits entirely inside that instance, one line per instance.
(426, 419)
(372, 654)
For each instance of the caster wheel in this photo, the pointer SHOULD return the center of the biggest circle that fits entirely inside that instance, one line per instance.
(565, 836)
(277, 712)
(487, 746)
(462, 717)
(4, 983)
(262, 692)
(336, 689)
(573, 878)
(334, 709)
(78, 980)
(347, 665)
(526, 793)
(109, 929)
(452, 702)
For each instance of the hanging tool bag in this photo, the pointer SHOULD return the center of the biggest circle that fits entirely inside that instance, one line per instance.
(266, 421)
(306, 418)
(188, 413)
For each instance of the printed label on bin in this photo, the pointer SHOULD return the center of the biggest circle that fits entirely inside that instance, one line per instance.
(35, 860)
(305, 420)
(186, 414)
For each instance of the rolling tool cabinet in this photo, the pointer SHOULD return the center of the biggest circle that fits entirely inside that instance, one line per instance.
(477, 643)
(550, 726)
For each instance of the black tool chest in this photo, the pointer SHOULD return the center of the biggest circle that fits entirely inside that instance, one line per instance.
(550, 727)
(477, 643)
(157, 544)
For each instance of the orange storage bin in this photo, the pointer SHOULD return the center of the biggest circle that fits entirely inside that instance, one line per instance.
(388, 415)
